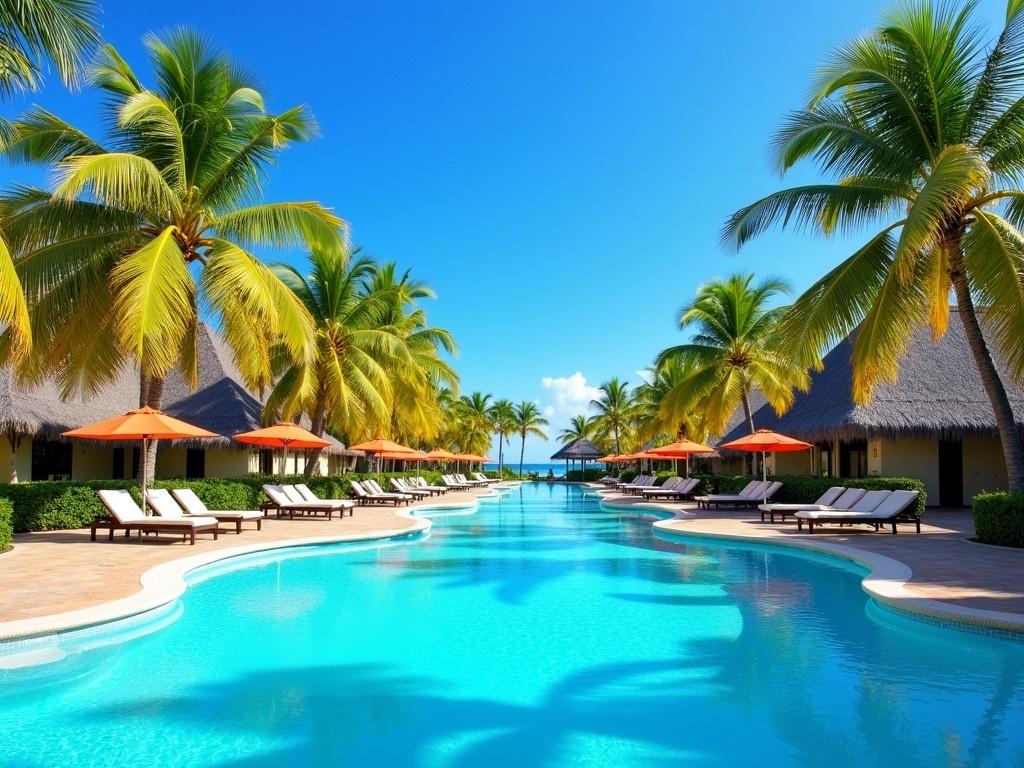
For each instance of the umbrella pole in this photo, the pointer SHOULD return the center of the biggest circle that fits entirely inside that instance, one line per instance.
(764, 473)
(145, 461)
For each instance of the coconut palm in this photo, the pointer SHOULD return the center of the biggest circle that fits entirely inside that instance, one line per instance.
(140, 230)
(503, 423)
(920, 127)
(348, 385)
(614, 410)
(106, 254)
(733, 349)
(580, 428)
(662, 408)
(475, 423)
(61, 32)
(528, 421)
(416, 413)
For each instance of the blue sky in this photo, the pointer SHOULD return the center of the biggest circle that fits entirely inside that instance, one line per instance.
(558, 171)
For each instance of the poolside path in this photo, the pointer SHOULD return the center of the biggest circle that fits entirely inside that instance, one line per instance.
(946, 565)
(50, 572)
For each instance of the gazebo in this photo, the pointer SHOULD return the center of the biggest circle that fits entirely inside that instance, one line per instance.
(581, 450)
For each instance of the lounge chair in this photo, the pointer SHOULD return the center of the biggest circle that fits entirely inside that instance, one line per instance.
(634, 490)
(420, 482)
(125, 514)
(374, 488)
(610, 479)
(828, 499)
(681, 490)
(668, 485)
(286, 500)
(365, 493)
(451, 482)
(485, 479)
(749, 491)
(888, 508)
(640, 481)
(463, 479)
(339, 505)
(401, 487)
(166, 506)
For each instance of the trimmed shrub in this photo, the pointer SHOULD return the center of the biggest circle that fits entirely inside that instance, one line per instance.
(6, 524)
(999, 518)
(576, 475)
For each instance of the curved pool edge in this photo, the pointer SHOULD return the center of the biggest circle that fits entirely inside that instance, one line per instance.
(886, 581)
(163, 584)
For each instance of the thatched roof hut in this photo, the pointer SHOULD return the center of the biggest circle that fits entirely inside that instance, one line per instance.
(578, 450)
(220, 403)
(939, 394)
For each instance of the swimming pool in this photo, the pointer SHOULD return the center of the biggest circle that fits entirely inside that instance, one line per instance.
(539, 630)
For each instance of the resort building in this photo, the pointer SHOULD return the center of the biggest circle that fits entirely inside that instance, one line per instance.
(33, 420)
(935, 423)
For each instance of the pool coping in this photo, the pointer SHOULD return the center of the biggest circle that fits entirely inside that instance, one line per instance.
(165, 582)
(886, 581)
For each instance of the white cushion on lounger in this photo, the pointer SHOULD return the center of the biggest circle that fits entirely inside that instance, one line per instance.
(193, 505)
(866, 507)
(124, 509)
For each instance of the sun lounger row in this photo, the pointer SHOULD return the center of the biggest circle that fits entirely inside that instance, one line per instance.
(179, 511)
(640, 481)
(851, 506)
(673, 488)
(299, 499)
(754, 493)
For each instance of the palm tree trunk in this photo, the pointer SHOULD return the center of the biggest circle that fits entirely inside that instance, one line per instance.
(522, 450)
(317, 428)
(1009, 436)
(617, 449)
(154, 395)
(750, 422)
(501, 457)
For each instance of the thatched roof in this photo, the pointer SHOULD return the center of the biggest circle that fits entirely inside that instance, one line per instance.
(938, 394)
(579, 450)
(220, 403)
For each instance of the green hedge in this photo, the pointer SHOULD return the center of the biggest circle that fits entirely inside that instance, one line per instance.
(55, 505)
(6, 524)
(576, 475)
(999, 518)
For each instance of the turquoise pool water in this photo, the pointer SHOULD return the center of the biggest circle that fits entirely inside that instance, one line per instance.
(539, 631)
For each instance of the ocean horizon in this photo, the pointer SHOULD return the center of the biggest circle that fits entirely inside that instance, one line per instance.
(557, 467)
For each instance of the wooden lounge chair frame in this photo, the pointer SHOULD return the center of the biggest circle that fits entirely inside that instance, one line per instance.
(111, 524)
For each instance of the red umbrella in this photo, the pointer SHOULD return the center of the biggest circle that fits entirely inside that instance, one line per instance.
(765, 441)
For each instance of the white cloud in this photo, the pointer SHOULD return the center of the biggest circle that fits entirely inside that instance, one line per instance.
(569, 396)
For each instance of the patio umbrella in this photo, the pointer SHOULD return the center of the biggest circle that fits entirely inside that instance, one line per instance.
(681, 449)
(142, 424)
(284, 435)
(398, 456)
(381, 445)
(765, 441)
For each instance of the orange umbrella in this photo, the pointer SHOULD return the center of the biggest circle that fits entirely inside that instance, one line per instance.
(143, 424)
(681, 449)
(285, 435)
(381, 445)
(440, 454)
(765, 441)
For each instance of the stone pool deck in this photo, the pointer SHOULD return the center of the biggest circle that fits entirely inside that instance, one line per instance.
(983, 583)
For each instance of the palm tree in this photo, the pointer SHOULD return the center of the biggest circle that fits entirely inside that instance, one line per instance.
(613, 406)
(503, 422)
(580, 428)
(138, 232)
(475, 417)
(348, 385)
(662, 410)
(62, 32)
(734, 348)
(528, 422)
(920, 124)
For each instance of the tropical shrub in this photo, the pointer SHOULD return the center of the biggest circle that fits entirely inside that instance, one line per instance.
(6, 524)
(999, 518)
